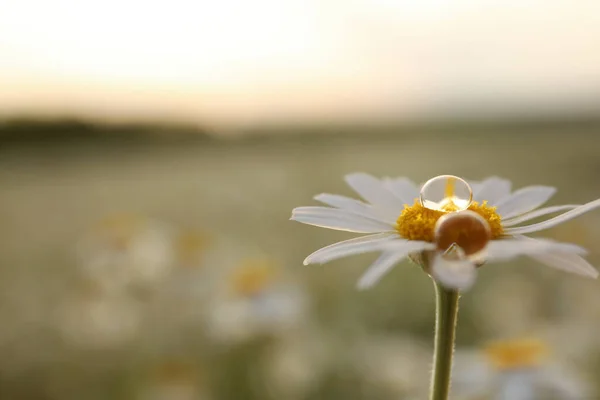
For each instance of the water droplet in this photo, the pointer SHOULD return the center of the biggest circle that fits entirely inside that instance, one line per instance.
(446, 193)
(466, 229)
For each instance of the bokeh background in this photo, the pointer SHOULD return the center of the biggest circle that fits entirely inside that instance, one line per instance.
(151, 154)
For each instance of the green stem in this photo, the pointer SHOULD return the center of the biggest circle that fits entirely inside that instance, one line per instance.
(445, 332)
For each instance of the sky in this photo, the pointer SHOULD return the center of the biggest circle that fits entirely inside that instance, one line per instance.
(245, 62)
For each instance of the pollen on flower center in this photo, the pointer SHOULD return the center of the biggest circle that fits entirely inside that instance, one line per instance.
(516, 353)
(252, 277)
(417, 222)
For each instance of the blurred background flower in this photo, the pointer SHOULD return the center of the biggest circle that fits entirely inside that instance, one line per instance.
(91, 317)
(173, 380)
(126, 250)
(256, 299)
(515, 369)
(151, 152)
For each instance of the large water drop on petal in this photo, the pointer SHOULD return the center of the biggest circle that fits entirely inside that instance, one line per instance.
(446, 193)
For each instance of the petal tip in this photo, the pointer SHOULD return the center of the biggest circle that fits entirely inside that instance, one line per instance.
(355, 175)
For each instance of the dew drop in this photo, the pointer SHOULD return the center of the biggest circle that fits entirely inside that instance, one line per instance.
(446, 193)
(466, 229)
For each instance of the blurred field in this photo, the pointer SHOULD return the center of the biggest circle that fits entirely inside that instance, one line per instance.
(242, 192)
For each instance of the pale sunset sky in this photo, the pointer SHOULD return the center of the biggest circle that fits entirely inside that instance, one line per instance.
(250, 61)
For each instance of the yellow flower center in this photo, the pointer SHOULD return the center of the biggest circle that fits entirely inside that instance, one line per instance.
(253, 277)
(119, 230)
(190, 246)
(516, 354)
(418, 223)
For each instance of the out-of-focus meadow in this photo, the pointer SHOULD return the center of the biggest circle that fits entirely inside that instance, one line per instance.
(151, 153)
(145, 267)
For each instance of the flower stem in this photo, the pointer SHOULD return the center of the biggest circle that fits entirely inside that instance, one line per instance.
(445, 331)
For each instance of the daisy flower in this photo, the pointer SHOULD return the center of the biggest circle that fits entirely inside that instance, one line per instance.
(191, 278)
(297, 363)
(393, 365)
(518, 369)
(450, 226)
(93, 318)
(174, 380)
(124, 250)
(255, 299)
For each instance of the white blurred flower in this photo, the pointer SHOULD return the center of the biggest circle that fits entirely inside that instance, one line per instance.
(394, 365)
(454, 225)
(255, 299)
(191, 248)
(173, 380)
(297, 361)
(580, 334)
(513, 370)
(182, 298)
(92, 318)
(126, 249)
(472, 375)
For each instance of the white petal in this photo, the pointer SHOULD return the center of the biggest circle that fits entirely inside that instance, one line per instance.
(564, 261)
(372, 190)
(387, 260)
(403, 188)
(554, 221)
(568, 262)
(538, 213)
(342, 220)
(524, 200)
(506, 249)
(358, 245)
(356, 206)
(454, 274)
(492, 190)
(476, 186)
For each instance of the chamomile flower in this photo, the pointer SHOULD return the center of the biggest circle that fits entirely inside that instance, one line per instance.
(191, 277)
(91, 317)
(180, 301)
(255, 299)
(122, 250)
(393, 365)
(298, 361)
(174, 380)
(518, 369)
(449, 226)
